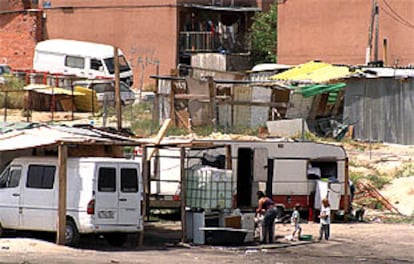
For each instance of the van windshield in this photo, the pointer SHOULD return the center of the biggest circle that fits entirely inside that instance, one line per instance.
(123, 65)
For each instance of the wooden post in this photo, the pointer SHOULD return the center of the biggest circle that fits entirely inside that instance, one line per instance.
(156, 107)
(212, 92)
(145, 180)
(117, 90)
(346, 185)
(183, 196)
(6, 95)
(172, 103)
(229, 161)
(61, 218)
(144, 194)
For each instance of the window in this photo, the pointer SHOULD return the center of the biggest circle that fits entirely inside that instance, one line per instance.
(10, 177)
(103, 87)
(41, 177)
(129, 180)
(107, 179)
(326, 169)
(96, 64)
(123, 65)
(75, 62)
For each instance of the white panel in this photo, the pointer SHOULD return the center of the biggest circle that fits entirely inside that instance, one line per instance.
(260, 165)
(289, 177)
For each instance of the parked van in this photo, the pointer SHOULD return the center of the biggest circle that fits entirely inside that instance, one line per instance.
(103, 197)
(84, 59)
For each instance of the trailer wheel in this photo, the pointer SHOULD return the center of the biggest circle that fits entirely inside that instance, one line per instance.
(116, 239)
(71, 234)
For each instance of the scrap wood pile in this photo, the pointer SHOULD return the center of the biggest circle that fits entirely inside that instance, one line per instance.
(367, 190)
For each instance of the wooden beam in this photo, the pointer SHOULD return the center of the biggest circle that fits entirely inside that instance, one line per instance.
(213, 102)
(160, 135)
(183, 196)
(61, 218)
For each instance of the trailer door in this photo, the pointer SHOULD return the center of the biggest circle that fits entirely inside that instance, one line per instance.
(260, 165)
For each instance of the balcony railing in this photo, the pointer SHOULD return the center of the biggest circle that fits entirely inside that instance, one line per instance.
(205, 41)
(193, 41)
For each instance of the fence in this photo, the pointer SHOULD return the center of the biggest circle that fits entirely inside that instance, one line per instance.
(53, 93)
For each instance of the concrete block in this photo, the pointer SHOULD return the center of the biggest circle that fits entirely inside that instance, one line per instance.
(287, 128)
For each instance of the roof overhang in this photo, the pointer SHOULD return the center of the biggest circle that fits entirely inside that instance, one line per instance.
(223, 8)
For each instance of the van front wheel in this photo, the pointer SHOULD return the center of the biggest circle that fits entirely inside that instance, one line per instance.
(71, 234)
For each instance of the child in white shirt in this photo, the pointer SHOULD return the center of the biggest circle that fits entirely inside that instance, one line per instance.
(295, 222)
(325, 219)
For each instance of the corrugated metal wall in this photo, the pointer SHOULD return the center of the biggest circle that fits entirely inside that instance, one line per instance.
(381, 109)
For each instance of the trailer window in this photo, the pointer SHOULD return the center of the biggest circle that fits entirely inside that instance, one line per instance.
(10, 177)
(328, 169)
(41, 177)
(75, 62)
(129, 180)
(107, 180)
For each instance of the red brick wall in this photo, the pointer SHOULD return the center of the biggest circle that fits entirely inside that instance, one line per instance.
(337, 31)
(19, 32)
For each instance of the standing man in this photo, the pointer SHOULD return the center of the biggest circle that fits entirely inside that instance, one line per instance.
(267, 208)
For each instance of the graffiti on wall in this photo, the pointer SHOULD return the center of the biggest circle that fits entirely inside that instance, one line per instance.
(143, 60)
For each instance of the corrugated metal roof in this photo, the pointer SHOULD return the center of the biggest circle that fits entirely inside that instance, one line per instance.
(23, 136)
(314, 72)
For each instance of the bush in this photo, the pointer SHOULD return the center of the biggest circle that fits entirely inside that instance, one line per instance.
(15, 95)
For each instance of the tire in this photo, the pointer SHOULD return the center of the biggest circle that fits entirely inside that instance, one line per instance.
(71, 234)
(116, 239)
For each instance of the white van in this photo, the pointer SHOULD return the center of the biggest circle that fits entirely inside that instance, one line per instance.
(103, 197)
(84, 59)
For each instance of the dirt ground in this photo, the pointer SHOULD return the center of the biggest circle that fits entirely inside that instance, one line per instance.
(349, 243)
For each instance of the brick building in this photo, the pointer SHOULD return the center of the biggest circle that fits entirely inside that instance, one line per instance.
(337, 31)
(20, 30)
(155, 36)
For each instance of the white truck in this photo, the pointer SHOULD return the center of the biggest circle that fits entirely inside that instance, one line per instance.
(84, 59)
(103, 196)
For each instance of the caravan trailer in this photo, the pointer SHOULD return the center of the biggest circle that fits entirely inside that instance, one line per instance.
(288, 171)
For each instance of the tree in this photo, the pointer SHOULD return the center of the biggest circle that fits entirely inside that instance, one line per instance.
(264, 36)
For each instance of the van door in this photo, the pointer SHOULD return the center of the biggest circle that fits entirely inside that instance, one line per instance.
(10, 193)
(39, 203)
(129, 195)
(106, 205)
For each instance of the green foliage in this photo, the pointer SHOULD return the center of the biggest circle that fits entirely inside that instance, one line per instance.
(406, 170)
(15, 96)
(379, 181)
(264, 36)
(140, 118)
